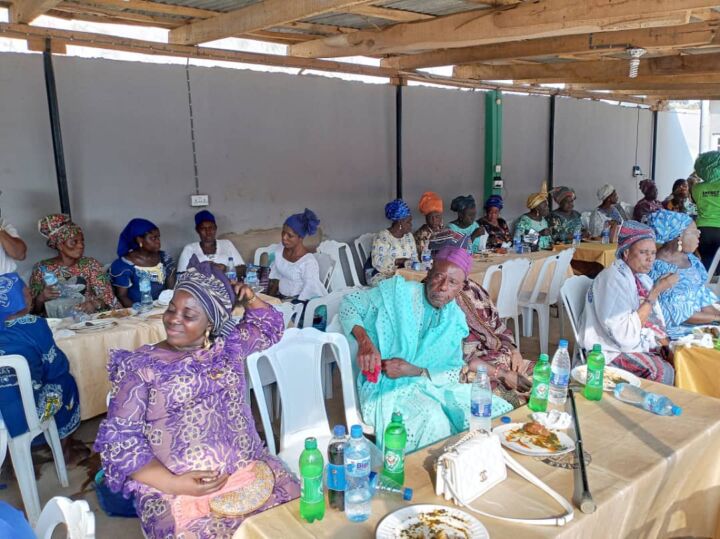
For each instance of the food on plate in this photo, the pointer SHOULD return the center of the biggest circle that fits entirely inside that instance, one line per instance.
(713, 331)
(501, 251)
(533, 435)
(612, 378)
(115, 313)
(437, 524)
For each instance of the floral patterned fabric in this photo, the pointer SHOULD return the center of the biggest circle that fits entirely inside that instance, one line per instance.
(422, 238)
(189, 413)
(88, 271)
(525, 223)
(497, 234)
(56, 393)
(386, 248)
(563, 226)
(644, 208)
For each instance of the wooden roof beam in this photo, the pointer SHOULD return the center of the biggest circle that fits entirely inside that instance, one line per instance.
(398, 15)
(528, 20)
(255, 17)
(688, 35)
(25, 11)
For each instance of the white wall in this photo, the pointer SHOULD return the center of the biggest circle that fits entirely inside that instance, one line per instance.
(678, 139)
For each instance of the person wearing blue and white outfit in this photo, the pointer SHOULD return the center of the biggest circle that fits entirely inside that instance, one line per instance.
(393, 247)
(690, 302)
(465, 223)
(56, 393)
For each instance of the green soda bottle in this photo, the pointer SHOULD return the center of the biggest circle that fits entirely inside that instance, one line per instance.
(541, 385)
(312, 498)
(595, 367)
(394, 453)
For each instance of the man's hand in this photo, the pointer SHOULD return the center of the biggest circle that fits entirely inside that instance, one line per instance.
(368, 357)
(399, 368)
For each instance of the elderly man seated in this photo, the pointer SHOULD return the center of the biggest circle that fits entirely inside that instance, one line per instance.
(409, 337)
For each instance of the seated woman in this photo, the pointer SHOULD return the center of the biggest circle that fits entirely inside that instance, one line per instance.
(608, 214)
(535, 219)
(409, 337)
(431, 206)
(690, 301)
(209, 248)
(495, 226)
(68, 240)
(621, 311)
(565, 220)
(139, 251)
(678, 199)
(465, 222)
(56, 394)
(294, 273)
(649, 203)
(179, 429)
(392, 247)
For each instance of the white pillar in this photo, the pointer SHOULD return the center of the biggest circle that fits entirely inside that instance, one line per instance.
(704, 125)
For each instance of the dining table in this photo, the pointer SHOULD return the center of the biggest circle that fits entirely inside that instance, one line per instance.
(698, 369)
(649, 475)
(591, 251)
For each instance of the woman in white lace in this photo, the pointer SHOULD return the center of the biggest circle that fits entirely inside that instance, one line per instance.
(295, 273)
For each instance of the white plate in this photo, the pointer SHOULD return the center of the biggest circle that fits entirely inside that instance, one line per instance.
(93, 325)
(533, 451)
(414, 521)
(579, 374)
(54, 322)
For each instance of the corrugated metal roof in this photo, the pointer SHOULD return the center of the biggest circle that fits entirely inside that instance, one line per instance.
(349, 20)
(432, 7)
(213, 5)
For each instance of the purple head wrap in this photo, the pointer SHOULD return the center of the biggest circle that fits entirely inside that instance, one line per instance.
(457, 256)
(212, 289)
(494, 201)
(631, 232)
(304, 224)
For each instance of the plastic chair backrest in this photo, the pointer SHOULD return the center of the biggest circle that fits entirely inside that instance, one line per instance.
(342, 277)
(559, 276)
(573, 293)
(547, 263)
(363, 246)
(327, 267)
(76, 515)
(297, 362)
(331, 302)
(265, 251)
(585, 219)
(22, 371)
(289, 312)
(513, 273)
(713, 266)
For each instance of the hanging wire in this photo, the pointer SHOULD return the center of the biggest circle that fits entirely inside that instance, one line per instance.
(637, 134)
(192, 128)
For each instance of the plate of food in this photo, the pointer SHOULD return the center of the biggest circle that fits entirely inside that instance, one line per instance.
(93, 325)
(612, 376)
(713, 331)
(116, 313)
(533, 439)
(428, 521)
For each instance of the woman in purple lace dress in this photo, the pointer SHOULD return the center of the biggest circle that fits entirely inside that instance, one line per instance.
(179, 423)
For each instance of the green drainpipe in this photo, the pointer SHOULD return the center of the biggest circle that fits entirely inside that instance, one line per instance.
(493, 141)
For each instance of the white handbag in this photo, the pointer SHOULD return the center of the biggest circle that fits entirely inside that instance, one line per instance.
(477, 463)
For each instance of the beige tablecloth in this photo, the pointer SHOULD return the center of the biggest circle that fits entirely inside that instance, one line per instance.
(698, 369)
(650, 476)
(592, 252)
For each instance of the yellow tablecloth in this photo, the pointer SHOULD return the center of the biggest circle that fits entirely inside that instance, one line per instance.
(698, 369)
(592, 252)
(650, 476)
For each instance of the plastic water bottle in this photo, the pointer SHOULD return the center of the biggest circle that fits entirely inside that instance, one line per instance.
(251, 275)
(605, 238)
(652, 402)
(145, 287)
(426, 259)
(312, 499)
(517, 241)
(336, 468)
(577, 236)
(49, 277)
(541, 385)
(415, 264)
(595, 369)
(481, 401)
(559, 375)
(357, 476)
(382, 486)
(231, 272)
(395, 440)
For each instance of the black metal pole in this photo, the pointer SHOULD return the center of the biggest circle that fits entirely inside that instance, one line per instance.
(551, 146)
(655, 118)
(55, 131)
(398, 141)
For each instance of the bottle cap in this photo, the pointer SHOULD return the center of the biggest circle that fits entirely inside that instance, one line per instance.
(597, 348)
(372, 480)
(407, 494)
(676, 410)
(544, 357)
(339, 431)
(563, 343)
(505, 419)
(310, 443)
(356, 431)
(397, 417)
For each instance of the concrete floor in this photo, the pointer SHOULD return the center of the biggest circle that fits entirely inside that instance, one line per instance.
(129, 528)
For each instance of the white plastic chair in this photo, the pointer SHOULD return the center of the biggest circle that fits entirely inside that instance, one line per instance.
(539, 300)
(573, 293)
(297, 362)
(265, 250)
(512, 275)
(19, 446)
(327, 267)
(585, 219)
(340, 277)
(363, 246)
(289, 311)
(713, 267)
(76, 515)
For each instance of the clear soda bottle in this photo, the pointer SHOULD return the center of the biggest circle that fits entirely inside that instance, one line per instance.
(481, 401)
(357, 476)
(652, 402)
(231, 272)
(312, 499)
(595, 370)
(336, 468)
(541, 385)
(559, 375)
(395, 440)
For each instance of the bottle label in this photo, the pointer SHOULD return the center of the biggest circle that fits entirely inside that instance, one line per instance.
(559, 379)
(481, 411)
(311, 489)
(594, 378)
(540, 391)
(394, 460)
(357, 467)
(335, 477)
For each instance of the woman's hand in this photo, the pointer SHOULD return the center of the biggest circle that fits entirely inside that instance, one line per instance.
(664, 283)
(516, 361)
(544, 232)
(368, 357)
(196, 483)
(48, 293)
(246, 296)
(477, 233)
(400, 262)
(516, 381)
(399, 368)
